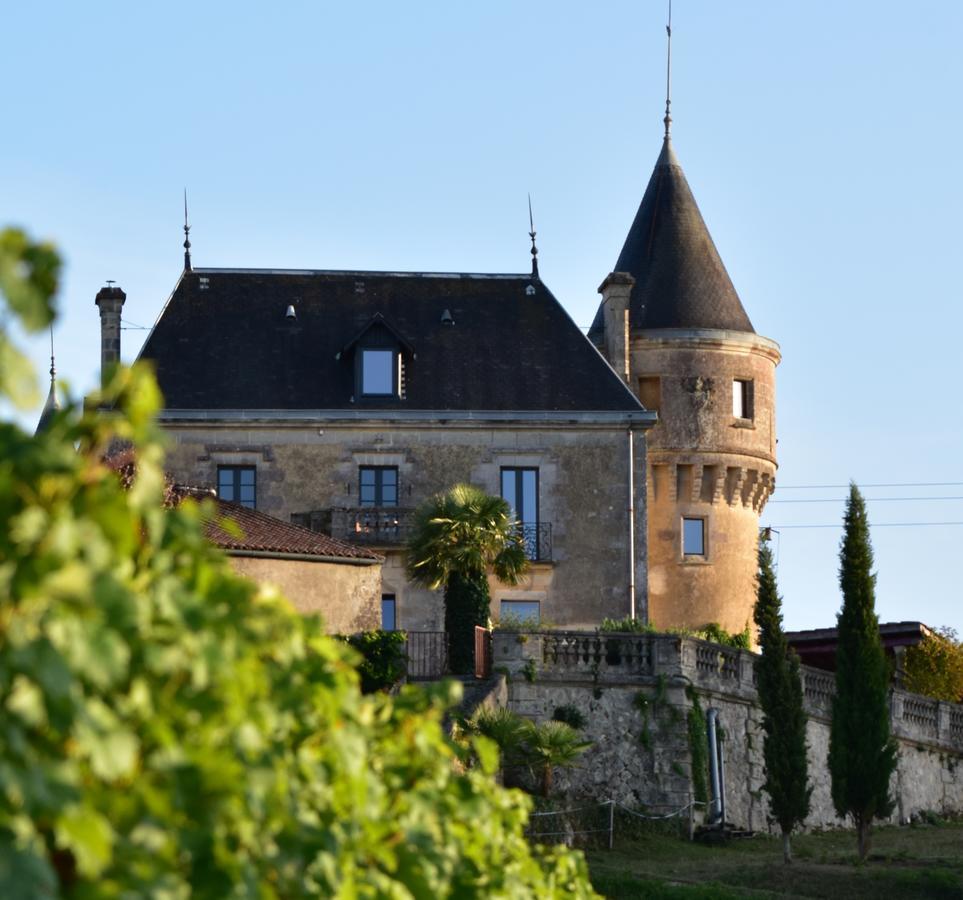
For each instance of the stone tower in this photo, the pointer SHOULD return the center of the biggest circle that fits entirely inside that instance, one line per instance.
(671, 323)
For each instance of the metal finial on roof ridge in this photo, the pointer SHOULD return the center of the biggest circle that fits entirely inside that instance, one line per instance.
(53, 366)
(187, 237)
(531, 234)
(668, 74)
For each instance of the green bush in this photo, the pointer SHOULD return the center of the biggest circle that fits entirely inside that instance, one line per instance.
(383, 661)
(570, 715)
(711, 631)
(171, 730)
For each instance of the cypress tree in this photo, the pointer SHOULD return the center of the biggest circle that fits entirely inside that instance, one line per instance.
(862, 753)
(783, 717)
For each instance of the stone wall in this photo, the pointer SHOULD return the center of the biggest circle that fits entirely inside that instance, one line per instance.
(583, 496)
(346, 596)
(641, 753)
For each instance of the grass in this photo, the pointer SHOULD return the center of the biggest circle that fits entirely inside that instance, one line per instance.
(924, 862)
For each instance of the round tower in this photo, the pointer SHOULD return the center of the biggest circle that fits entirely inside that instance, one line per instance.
(692, 355)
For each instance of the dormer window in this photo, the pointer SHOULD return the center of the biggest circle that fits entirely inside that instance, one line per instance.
(380, 355)
(379, 373)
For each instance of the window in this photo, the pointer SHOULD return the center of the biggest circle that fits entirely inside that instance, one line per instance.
(650, 392)
(519, 612)
(520, 489)
(693, 537)
(378, 373)
(742, 398)
(389, 613)
(237, 484)
(378, 485)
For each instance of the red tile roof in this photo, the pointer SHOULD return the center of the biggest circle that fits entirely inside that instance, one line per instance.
(265, 534)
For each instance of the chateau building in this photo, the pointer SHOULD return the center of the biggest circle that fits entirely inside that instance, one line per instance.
(341, 400)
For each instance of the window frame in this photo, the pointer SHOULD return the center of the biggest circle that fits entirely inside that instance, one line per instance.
(646, 384)
(236, 485)
(742, 391)
(395, 365)
(692, 554)
(378, 487)
(532, 541)
(393, 600)
(518, 601)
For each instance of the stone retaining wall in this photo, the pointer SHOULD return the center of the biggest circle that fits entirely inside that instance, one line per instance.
(640, 754)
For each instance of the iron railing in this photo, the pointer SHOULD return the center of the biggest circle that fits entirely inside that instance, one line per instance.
(427, 655)
(537, 537)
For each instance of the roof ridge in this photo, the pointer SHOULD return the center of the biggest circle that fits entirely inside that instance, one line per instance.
(384, 273)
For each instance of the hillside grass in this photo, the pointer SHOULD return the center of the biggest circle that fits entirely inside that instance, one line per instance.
(923, 862)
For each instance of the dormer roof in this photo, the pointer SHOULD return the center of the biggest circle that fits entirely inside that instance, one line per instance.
(680, 280)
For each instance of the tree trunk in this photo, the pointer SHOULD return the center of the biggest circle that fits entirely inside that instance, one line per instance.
(863, 840)
(546, 781)
(786, 848)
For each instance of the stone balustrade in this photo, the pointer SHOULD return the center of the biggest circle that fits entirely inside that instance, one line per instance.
(573, 657)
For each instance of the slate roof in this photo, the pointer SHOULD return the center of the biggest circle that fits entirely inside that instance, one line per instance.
(224, 342)
(680, 280)
(265, 534)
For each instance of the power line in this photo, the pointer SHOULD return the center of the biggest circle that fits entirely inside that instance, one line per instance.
(874, 525)
(868, 499)
(830, 487)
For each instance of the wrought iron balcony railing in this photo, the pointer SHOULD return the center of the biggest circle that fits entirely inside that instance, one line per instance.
(373, 525)
(538, 540)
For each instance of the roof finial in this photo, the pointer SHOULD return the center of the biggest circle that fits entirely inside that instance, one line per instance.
(187, 237)
(53, 367)
(531, 234)
(668, 74)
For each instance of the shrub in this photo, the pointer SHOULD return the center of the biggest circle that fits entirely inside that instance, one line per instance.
(934, 667)
(570, 715)
(383, 661)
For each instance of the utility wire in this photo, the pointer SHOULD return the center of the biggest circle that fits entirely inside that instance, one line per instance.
(867, 499)
(829, 487)
(873, 525)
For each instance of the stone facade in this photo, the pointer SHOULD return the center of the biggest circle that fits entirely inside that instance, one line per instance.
(347, 597)
(706, 464)
(643, 758)
(310, 474)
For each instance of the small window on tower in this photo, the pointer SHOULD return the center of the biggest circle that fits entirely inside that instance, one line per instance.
(742, 398)
(693, 537)
(650, 392)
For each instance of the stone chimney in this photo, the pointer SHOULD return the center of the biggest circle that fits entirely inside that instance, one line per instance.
(616, 291)
(110, 301)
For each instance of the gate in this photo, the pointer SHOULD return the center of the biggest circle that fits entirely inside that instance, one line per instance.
(483, 652)
(427, 655)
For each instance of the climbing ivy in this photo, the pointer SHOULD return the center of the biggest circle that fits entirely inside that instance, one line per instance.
(698, 747)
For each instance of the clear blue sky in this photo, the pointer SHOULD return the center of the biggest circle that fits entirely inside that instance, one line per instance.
(822, 141)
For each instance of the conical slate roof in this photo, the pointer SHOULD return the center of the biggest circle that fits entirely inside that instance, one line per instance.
(680, 281)
(49, 408)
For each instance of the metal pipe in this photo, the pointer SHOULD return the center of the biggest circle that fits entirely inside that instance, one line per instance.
(720, 741)
(715, 805)
(631, 525)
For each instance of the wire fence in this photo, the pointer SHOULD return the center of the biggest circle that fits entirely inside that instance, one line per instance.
(601, 821)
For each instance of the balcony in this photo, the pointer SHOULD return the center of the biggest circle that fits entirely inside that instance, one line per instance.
(377, 526)
(537, 538)
(390, 526)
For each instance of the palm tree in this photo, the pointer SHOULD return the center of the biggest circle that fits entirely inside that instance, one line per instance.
(457, 537)
(551, 745)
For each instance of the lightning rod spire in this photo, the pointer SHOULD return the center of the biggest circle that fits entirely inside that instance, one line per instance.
(187, 238)
(668, 74)
(531, 234)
